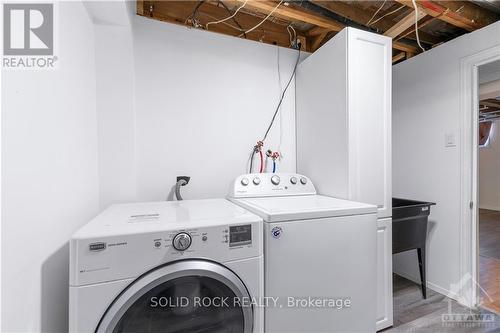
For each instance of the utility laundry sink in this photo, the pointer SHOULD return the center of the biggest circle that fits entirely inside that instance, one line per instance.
(409, 230)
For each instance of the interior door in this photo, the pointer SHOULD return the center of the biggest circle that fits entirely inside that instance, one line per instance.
(186, 296)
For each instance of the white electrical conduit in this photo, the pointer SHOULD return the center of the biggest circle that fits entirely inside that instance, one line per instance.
(416, 24)
(225, 23)
(229, 17)
(264, 20)
(294, 38)
(378, 10)
(390, 13)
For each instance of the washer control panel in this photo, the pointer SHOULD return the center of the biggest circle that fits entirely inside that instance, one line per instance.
(130, 255)
(188, 241)
(270, 185)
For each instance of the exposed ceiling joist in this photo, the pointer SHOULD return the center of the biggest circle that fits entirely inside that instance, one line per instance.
(315, 42)
(292, 14)
(407, 22)
(398, 57)
(380, 23)
(352, 13)
(404, 47)
(461, 14)
(478, 16)
(316, 21)
(410, 32)
(316, 31)
(361, 18)
(490, 103)
(180, 12)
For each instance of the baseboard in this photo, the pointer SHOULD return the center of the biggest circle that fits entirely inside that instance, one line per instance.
(488, 207)
(430, 285)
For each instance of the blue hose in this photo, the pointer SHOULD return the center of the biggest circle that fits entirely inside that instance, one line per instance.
(274, 166)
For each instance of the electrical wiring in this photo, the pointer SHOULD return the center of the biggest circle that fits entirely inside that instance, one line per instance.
(264, 20)
(387, 14)
(261, 156)
(251, 161)
(281, 91)
(416, 24)
(229, 17)
(258, 147)
(294, 38)
(289, 34)
(227, 24)
(282, 96)
(193, 14)
(378, 10)
(234, 18)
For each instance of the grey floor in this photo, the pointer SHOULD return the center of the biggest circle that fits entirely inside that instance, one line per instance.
(489, 233)
(489, 258)
(414, 314)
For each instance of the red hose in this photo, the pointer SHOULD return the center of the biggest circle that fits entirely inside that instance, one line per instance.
(261, 161)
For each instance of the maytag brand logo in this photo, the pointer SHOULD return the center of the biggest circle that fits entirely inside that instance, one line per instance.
(28, 36)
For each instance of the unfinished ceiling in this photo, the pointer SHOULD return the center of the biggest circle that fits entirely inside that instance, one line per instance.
(314, 22)
(489, 91)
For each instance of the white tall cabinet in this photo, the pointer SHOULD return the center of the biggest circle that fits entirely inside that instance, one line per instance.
(343, 101)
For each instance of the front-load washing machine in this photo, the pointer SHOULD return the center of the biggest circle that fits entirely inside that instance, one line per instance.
(185, 266)
(319, 253)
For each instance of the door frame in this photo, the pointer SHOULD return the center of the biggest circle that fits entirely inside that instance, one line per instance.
(469, 124)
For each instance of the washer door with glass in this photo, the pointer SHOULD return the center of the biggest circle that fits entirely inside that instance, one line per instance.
(185, 296)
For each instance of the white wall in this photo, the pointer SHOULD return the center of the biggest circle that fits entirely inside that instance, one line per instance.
(201, 102)
(489, 171)
(49, 176)
(425, 108)
(116, 114)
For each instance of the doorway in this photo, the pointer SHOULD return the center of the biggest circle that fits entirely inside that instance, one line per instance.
(469, 293)
(488, 250)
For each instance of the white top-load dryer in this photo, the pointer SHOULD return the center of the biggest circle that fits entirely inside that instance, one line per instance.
(186, 266)
(319, 253)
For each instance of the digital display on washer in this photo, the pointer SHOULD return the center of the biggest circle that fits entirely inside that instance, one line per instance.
(240, 235)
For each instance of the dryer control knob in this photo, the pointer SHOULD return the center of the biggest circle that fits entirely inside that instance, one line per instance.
(244, 181)
(275, 180)
(303, 180)
(182, 241)
(293, 180)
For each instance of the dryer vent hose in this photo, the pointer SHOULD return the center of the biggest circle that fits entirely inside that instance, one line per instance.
(181, 181)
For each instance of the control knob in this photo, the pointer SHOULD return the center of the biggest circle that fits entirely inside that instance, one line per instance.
(182, 241)
(303, 180)
(244, 181)
(275, 180)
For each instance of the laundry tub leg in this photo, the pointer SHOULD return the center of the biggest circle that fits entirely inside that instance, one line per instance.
(421, 266)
